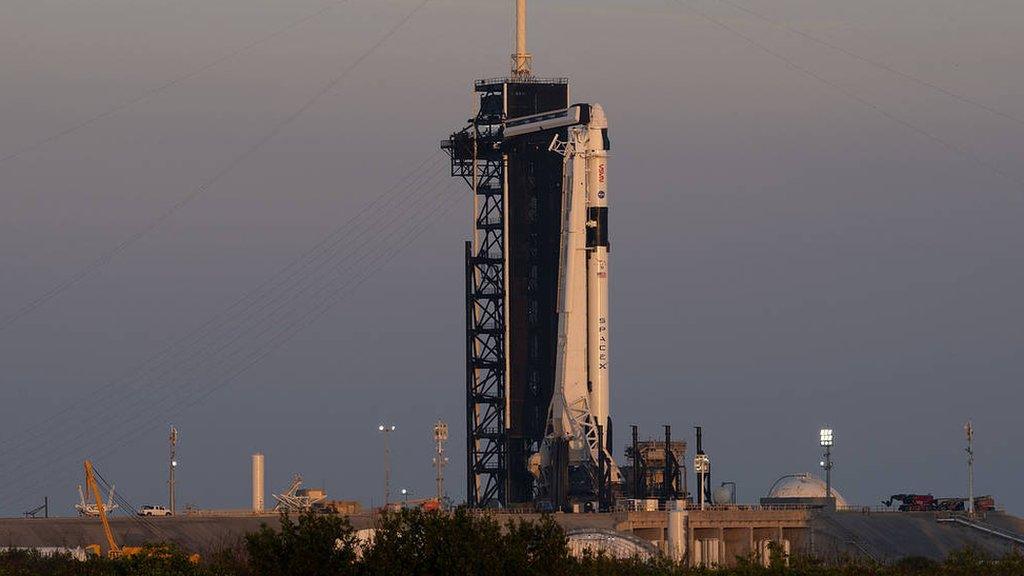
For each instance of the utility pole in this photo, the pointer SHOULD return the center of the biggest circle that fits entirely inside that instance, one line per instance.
(172, 464)
(440, 460)
(969, 431)
(386, 431)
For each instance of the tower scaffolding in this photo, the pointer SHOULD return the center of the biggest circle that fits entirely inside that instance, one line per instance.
(511, 268)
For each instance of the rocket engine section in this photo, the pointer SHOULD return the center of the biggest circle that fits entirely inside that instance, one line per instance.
(575, 462)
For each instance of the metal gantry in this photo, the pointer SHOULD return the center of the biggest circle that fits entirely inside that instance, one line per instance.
(296, 499)
(476, 158)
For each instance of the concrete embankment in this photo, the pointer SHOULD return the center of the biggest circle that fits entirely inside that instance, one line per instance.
(885, 537)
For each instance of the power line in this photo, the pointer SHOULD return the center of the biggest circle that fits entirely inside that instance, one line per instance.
(277, 305)
(149, 94)
(105, 258)
(200, 337)
(217, 347)
(202, 344)
(364, 219)
(875, 63)
(328, 295)
(209, 344)
(956, 149)
(127, 506)
(49, 429)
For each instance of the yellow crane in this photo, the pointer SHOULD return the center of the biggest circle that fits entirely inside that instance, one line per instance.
(113, 549)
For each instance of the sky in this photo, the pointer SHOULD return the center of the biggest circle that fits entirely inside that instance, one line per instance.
(815, 220)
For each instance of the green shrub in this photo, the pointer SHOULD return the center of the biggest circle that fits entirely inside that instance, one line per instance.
(316, 545)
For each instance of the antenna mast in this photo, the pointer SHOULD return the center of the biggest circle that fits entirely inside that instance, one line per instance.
(440, 460)
(171, 465)
(522, 61)
(969, 431)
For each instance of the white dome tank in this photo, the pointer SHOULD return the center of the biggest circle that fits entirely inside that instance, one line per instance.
(804, 485)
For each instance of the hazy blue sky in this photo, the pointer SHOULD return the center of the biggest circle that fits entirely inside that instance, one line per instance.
(784, 255)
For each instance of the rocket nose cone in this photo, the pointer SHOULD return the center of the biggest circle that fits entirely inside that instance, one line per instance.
(597, 117)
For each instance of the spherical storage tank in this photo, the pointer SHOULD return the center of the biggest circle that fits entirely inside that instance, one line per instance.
(803, 485)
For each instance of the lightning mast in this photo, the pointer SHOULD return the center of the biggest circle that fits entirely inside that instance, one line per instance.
(522, 61)
(512, 265)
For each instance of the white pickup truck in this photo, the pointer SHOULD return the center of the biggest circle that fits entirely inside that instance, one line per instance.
(148, 510)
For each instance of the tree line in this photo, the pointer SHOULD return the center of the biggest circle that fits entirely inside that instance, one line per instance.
(457, 543)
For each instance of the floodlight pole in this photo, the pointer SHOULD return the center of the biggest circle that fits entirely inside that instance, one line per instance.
(386, 431)
(828, 472)
(827, 439)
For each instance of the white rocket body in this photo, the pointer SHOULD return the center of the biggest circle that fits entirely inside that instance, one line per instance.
(581, 400)
(572, 397)
(597, 266)
(579, 405)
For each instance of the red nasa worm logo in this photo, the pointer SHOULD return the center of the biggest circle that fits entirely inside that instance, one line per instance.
(600, 173)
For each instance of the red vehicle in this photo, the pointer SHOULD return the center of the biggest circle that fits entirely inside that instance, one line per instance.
(911, 502)
(929, 503)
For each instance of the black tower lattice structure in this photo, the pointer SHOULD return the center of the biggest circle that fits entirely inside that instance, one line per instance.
(476, 158)
(511, 280)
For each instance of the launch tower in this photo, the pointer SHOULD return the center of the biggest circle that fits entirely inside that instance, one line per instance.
(514, 265)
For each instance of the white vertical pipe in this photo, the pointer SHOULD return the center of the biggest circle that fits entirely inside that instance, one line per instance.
(597, 270)
(257, 483)
(676, 537)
